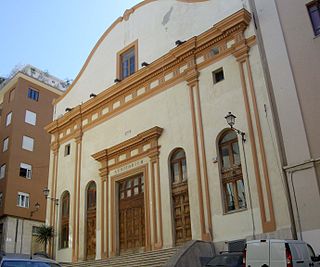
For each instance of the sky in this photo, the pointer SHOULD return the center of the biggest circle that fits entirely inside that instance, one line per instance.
(54, 35)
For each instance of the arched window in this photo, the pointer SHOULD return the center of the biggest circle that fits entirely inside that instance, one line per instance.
(65, 210)
(178, 166)
(91, 221)
(180, 197)
(231, 172)
(91, 196)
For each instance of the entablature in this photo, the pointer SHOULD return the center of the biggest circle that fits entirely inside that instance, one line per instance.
(198, 52)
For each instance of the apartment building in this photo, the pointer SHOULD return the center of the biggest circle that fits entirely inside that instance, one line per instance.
(26, 107)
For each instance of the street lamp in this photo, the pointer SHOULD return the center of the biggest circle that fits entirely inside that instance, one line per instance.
(231, 120)
(46, 191)
(37, 206)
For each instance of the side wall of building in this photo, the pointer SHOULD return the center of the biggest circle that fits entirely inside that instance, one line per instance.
(18, 236)
(291, 55)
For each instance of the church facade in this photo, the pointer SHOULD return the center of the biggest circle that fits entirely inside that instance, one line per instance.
(142, 157)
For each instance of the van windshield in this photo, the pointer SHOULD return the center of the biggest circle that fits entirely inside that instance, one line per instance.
(226, 260)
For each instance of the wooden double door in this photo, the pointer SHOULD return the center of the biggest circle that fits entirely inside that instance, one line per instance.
(180, 197)
(91, 221)
(131, 214)
(181, 213)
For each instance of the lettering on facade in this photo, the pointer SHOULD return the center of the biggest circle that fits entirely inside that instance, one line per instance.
(128, 167)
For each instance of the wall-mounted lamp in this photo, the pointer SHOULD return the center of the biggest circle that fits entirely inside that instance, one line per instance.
(92, 95)
(179, 42)
(144, 64)
(68, 109)
(46, 195)
(36, 206)
(231, 120)
(117, 80)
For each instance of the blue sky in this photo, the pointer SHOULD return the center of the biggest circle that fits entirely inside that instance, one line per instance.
(54, 35)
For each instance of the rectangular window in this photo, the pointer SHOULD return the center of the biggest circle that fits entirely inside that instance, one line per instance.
(67, 150)
(25, 170)
(218, 75)
(314, 13)
(27, 143)
(1, 199)
(2, 171)
(11, 94)
(23, 200)
(5, 144)
(8, 118)
(30, 117)
(33, 94)
(127, 63)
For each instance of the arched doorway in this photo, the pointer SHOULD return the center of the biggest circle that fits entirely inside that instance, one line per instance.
(64, 223)
(180, 197)
(91, 221)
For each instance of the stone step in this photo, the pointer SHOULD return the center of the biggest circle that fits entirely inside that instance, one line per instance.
(121, 259)
(136, 262)
(156, 258)
(145, 263)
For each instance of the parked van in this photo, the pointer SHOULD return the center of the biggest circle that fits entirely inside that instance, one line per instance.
(279, 253)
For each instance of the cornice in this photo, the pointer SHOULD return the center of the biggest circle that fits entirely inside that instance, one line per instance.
(144, 137)
(177, 63)
(30, 79)
(126, 15)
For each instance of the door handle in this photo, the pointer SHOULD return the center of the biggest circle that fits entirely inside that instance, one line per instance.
(300, 261)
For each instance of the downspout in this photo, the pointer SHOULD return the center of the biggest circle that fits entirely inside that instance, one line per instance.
(16, 236)
(275, 117)
(22, 233)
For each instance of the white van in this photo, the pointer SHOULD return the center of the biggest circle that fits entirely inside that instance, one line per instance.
(279, 253)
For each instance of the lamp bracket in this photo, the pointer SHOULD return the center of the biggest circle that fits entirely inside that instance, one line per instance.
(241, 133)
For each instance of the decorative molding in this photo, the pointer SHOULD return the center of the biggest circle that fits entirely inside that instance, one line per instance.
(145, 143)
(122, 51)
(132, 151)
(197, 161)
(160, 75)
(208, 234)
(241, 54)
(55, 147)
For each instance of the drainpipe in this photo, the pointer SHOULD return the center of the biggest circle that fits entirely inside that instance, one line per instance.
(16, 236)
(21, 238)
(279, 137)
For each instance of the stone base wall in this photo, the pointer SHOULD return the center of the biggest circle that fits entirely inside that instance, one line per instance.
(17, 235)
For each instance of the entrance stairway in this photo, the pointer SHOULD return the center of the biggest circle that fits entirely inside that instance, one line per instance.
(157, 258)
